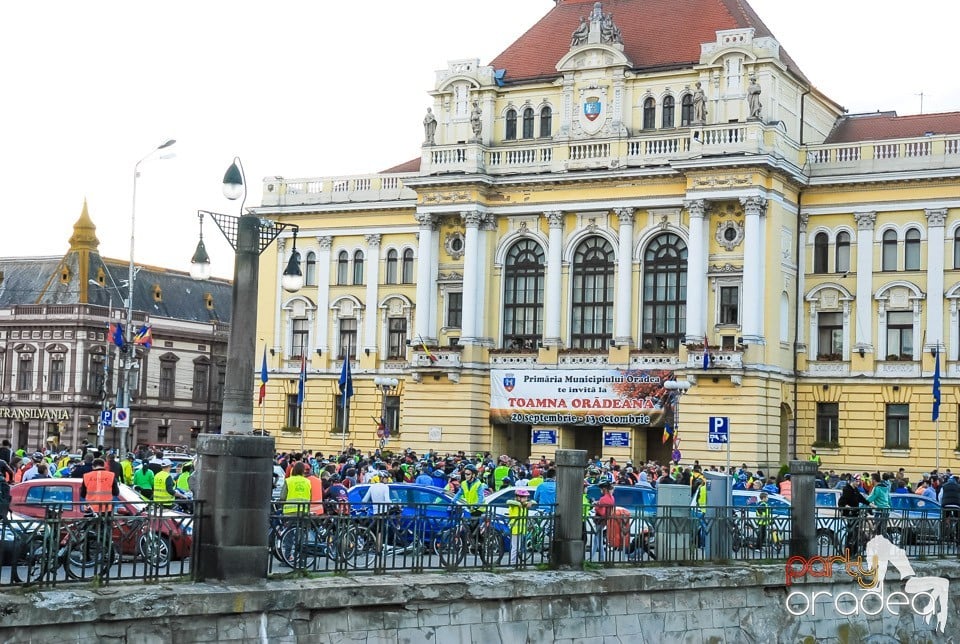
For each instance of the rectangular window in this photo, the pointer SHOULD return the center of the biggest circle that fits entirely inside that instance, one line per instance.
(341, 416)
(95, 375)
(397, 343)
(57, 373)
(454, 309)
(221, 383)
(293, 411)
(829, 336)
(201, 378)
(900, 335)
(828, 421)
(392, 415)
(348, 338)
(729, 305)
(299, 338)
(25, 373)
(898, 427)
(168, 372)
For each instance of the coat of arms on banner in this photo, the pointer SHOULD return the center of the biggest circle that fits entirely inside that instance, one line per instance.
(509, 382)
(593, 109)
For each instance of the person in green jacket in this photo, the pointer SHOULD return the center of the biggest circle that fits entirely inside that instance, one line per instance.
(143, 481)
(880, 499)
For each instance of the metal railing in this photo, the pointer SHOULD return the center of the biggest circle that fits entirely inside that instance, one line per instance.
(414, 537)
(115, 545)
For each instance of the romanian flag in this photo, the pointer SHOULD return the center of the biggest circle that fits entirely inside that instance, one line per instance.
(430, 356)
(116, 334)
(667, 433)
(144, 336)
(263, 377)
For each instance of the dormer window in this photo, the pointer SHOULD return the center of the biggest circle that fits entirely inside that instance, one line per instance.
(157, 293)
(65, 275)
(208, 301)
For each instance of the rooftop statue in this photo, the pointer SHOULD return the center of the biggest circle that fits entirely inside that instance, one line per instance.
(580, 34)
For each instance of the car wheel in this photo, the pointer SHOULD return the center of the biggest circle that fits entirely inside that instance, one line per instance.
(826, 540)
(155, 549)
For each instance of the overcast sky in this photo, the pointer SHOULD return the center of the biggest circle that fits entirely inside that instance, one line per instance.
(316, 88)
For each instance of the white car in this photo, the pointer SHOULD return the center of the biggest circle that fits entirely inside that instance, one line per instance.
(498, 500)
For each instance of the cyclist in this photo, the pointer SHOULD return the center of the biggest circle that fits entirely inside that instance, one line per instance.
(880, 498)
(471, 492)
(99, 488)
(763, 520)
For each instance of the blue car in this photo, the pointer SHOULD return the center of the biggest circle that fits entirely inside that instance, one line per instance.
(640, 500)
(427, 509)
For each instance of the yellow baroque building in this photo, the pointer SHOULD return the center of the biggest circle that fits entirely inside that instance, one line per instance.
(599, 211)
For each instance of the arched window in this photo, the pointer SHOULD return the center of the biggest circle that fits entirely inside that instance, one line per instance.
(649, 114)
(686, 110)
(956, 248)
(842, 263)
(310, 277)
(407, 276)
(546, 122)
(358, 267)
(528, 123)
(911, 250)
(391, 266)
(668, 104)
(511, 134)
(889, 251)
(591, 323)
(523, 276)
(821, 252)
(664, 293)
(343, 266)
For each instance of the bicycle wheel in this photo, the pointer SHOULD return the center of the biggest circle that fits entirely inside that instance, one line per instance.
(36, 559)
(491, 546)
(88, 555)
(298, 548)
(450, 547)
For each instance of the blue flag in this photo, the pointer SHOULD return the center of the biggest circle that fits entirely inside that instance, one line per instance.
(936, 384)
(706, 354)
(302, 389)
(346, 382)
(116, 334)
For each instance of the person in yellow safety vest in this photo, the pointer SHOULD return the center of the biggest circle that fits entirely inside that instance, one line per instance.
(164, 490)
(296, 493)
(536, 480)
(127, 466)
(763, 520)
(501, 472)
(814, 457)
(471, 489)
(517, 512)
(183, 481)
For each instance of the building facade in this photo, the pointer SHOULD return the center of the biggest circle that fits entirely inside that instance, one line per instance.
(600, 211)
(60, 367)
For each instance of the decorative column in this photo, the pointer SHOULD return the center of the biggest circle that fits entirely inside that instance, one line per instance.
(696, 272)
(622, 333)
(424, 285)
(487, 224)
(865, 224)
(553, 297)
(433, 321)
(472, 220)
(755, 209)
(373, 279)
(936, 218)
(801, 281)
(323, 293)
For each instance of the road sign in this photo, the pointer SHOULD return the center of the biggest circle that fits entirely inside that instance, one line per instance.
(544, 437)
(121, 417)
(718, 434)
(106, 418)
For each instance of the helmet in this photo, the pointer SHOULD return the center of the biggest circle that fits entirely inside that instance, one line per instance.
(522, 492)
(593, 470)
(470, 468)
(438, 473)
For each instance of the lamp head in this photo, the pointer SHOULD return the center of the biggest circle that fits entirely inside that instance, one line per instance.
(200, 264)
(292, 280)
(233, 182)
(677, 385)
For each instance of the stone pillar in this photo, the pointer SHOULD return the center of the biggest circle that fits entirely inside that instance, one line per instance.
(696, 276)
(488, 224)
(935, 262)
(623, 334)
(568, 543)
(469, 326)
(865, 223)
(803, 511)
(323, 293)
(424, 285)
(755, 209)
(373, 280)
(554, 279)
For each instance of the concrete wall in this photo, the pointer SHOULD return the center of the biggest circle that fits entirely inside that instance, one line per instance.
(741, 604)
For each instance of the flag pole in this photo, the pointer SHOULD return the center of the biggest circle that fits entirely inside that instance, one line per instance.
(343, 418)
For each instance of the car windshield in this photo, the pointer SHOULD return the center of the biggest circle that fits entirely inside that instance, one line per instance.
(827, 499)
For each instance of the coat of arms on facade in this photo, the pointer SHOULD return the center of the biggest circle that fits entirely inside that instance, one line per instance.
(593, 109)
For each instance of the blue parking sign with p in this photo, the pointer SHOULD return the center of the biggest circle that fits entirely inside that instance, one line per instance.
(719, 431)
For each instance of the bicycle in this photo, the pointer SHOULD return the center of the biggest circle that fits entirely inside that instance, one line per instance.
(39, 553)
(476, 535)
(90, 547)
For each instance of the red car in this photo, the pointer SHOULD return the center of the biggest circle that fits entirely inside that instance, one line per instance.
(174, 529)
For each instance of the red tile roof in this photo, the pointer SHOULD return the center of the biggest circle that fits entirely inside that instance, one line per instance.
(413, 165)
(887, 125)
(656, 33)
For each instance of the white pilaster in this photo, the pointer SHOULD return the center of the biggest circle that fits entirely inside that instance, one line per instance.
(488, 224)
(755, 209)
(323, 293)
(373, 280)
(435, 303)
(554, 278)
(865, 224)
(624, 303)
(696, 272)
(471, 249)
(425, 263)
(936, 218)
(801, 280)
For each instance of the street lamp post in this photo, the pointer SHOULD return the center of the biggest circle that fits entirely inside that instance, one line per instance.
(235, 466)
(679, 387)
(107, 359)
(128, 352)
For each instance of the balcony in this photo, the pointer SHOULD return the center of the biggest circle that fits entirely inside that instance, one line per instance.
(435, 362)
(278, 191)
(722, 360)
(925, 153)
